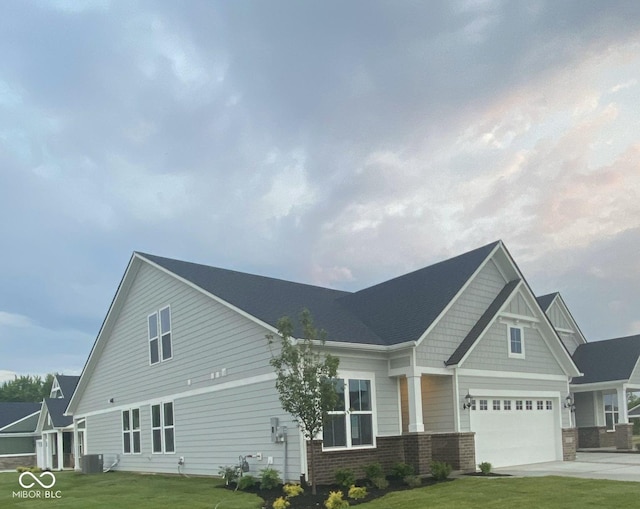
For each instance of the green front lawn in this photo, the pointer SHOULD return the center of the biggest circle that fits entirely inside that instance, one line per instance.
(124, 491)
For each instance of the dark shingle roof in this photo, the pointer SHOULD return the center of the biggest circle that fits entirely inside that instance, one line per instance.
(11, 411)
(545, 300)
(392, 312)
(484, 321)
(602, 361)
(56, 408)
(68, 384)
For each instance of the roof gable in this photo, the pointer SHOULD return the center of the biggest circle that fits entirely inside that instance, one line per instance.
(403, 308)
(67, 384)
(609, 360)
(14, 411)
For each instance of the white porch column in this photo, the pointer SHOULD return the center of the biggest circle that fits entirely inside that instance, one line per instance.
(76, 446)
(60, 451)
(623, 415)
(414, 390)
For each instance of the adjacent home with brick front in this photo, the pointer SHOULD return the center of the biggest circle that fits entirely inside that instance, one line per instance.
(456, 362)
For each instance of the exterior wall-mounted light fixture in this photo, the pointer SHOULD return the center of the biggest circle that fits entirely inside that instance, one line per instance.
(467, 401)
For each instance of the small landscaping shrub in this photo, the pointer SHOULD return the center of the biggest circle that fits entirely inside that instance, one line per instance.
(485, 467)
(281, 503)
(293, 490)
(269, 478)
(357, 492)
(413, 481)
(373, 471)
(246, 482)
(440, 470)
(35, 470)
(380, 482)
(335, 501)
(229, 474)
(345, 477)
(401, 470)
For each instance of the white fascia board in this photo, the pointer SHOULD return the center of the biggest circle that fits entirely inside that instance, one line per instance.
(457, 295)
(96, 349)
(514, 375)
(11, 424)
(363, 346)
(233, 384)
(211, 295)
(597, 386)
(21, 434)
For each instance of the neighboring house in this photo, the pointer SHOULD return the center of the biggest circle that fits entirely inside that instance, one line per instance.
(454, 362)
(55, 447)
(18, 434)
(611, 370)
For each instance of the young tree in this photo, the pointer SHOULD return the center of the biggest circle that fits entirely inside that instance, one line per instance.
(304, 378)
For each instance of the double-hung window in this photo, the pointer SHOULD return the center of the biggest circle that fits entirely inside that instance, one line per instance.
(159, 327)
(516, 341)
(131, 431)
(611, 411)
(350, 423)
(162, 428)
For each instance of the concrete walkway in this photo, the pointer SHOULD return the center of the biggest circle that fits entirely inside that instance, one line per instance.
(589, 465)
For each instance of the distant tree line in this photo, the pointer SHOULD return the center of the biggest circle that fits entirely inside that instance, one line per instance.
(26, 388)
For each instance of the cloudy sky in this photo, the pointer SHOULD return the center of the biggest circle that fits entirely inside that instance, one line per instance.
(334, 143)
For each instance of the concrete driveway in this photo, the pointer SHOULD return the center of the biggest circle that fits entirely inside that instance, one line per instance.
(590, 465)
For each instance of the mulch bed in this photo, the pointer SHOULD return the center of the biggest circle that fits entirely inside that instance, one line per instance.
(490, 474)
(309, 501)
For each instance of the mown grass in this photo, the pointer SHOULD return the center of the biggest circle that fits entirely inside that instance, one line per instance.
(121, 490)
(126, 490)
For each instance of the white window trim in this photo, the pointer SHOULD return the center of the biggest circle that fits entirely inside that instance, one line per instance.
(357, 375)
(612, 412)
(162, 427)
(159, 335)
(131, 431)
(515, 355)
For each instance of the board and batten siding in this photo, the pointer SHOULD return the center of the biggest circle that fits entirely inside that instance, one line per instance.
(207, 338)
(386, 387)
(442, 341)
(491, 352)
(559, 320)
(489, 386)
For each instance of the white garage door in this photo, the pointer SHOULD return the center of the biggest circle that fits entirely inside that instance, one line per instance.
(515, 431)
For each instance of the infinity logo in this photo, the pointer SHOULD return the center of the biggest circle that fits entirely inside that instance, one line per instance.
(35, 480)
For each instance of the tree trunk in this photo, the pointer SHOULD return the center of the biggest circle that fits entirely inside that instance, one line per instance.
(313, 469)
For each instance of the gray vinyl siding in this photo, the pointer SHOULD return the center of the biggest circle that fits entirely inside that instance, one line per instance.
(437, 401)
(17, 445)
(585, 409)
(211, 430)
(492, 353)
(207, 337)
(400, 362)
(460, 318)
(489, 385)
(387, 404)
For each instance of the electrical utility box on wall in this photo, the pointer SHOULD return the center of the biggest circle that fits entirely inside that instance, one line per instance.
(274, 429)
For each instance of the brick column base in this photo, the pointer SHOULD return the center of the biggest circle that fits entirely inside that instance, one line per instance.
(417, 451)
(457, 449)
(594, 437)
(13, 462)
(569, 444)
(624, 436)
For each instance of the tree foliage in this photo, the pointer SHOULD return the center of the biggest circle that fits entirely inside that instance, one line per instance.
(304, 376)
(26, 388)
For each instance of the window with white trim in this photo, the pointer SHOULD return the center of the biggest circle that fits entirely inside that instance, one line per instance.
(507, 404)
(350, 423)
(131, 431)
(159, 330)
(611, 411)
(483, 404)
(549, 404)
(496, 404)
(529, 404)
(162, 428)
(540, 405)
(518, 404)
(516, 341)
